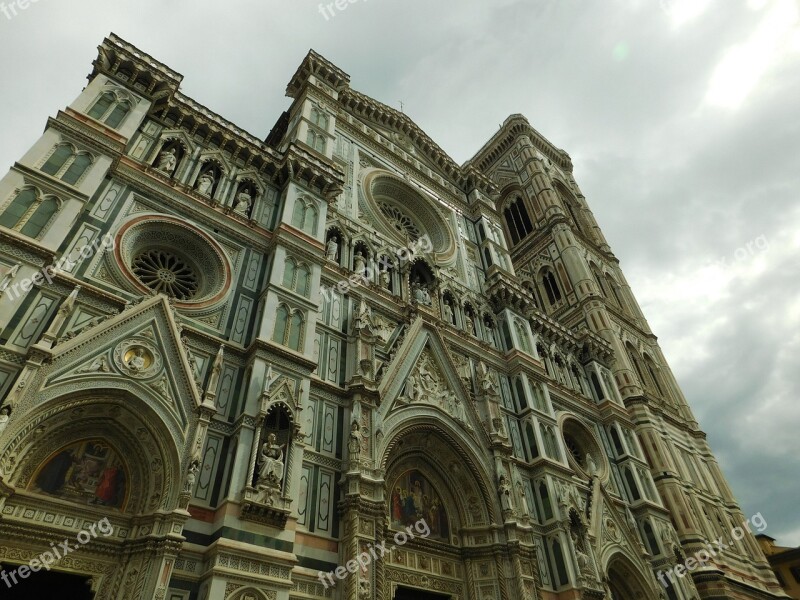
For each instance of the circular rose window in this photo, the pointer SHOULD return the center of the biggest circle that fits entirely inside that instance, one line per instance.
(405, 213)
(167, 255)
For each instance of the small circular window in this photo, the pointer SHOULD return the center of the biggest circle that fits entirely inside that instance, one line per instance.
(163, 271)
(166, 255)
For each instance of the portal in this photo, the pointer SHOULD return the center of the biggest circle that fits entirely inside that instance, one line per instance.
(412, 594)
(43, 584)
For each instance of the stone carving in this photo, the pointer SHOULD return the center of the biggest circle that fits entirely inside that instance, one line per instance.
(523, 500)
(354, 444)
(420, 293)
(270, 463)
(8, 278)
(359, 264)
(98, 365)
(138, 358)
(205, 183)
(505, 495)
(191, 476)
(447, 312)
(167, 161)
(244, 202)
(332, 248)
(426, 384)
(5, 415)
(591, 466)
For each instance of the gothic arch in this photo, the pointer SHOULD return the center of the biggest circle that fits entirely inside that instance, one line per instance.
(625, 581)
(424, 435)
(126, 422)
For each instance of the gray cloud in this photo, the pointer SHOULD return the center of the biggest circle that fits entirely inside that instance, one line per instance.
(675, 183)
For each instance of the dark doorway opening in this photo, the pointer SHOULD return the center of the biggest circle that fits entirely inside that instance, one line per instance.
(412, 594)
(42, 584)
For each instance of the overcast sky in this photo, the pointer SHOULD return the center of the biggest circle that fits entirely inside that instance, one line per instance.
(681, 117)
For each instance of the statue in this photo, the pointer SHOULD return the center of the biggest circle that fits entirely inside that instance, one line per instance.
(205, 183)
(5, 415)
(136, 362)
(523, 499)
(359, 264)
(412, 387)
(167, 161)
(469, 324)
(420, 292)
(386, 279)
(332, 249)
(505, 494)
(270, 463)
(447, 312)
(591, 466)
(8, 278)
(354, 445)
(244, 201)
(191, 476)
(98, 365)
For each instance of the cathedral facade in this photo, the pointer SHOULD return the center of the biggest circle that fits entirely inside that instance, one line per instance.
(332, 364)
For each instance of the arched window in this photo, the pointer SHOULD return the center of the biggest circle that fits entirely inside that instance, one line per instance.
(551, 287)
(102, 105)
(532, 447)
(59, 158)
(77, 169)
(650, 538)
(303, 280)
(544, 497)
(653, 372)
(631, 481)
(281, 324)
(118, 115)
(110, 109)
(561, 568)
(299, 214)
(316, 141)
(29, 212)
(522, 398)
(40, 218)
(311, 220)
(18, 208)
(517, 220)
(598, 389)
(296, 331)
(319, 117)
(616, 440)
(522, 334)
(288, 274)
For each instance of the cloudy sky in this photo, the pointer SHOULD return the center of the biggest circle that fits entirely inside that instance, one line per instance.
(681, 117)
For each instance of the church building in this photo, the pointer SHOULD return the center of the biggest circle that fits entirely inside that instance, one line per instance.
(332, 364)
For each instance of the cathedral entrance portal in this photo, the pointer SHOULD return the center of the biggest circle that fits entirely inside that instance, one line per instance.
(45, 584)
(412, 594)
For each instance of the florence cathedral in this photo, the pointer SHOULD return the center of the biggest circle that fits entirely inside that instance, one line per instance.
(331, 364)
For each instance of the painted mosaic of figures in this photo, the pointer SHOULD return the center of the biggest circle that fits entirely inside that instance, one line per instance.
(88, 472)
(413, 498)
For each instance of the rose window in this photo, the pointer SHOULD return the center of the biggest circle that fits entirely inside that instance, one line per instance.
(167, 273)
(401, 221)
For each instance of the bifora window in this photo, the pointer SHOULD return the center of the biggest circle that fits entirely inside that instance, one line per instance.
(167, 273)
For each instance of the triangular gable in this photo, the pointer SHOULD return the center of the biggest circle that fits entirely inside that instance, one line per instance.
(141, 346)
(423, 374)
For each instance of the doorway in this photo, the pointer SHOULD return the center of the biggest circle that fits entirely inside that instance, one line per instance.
(43, 584)
(412, 594)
